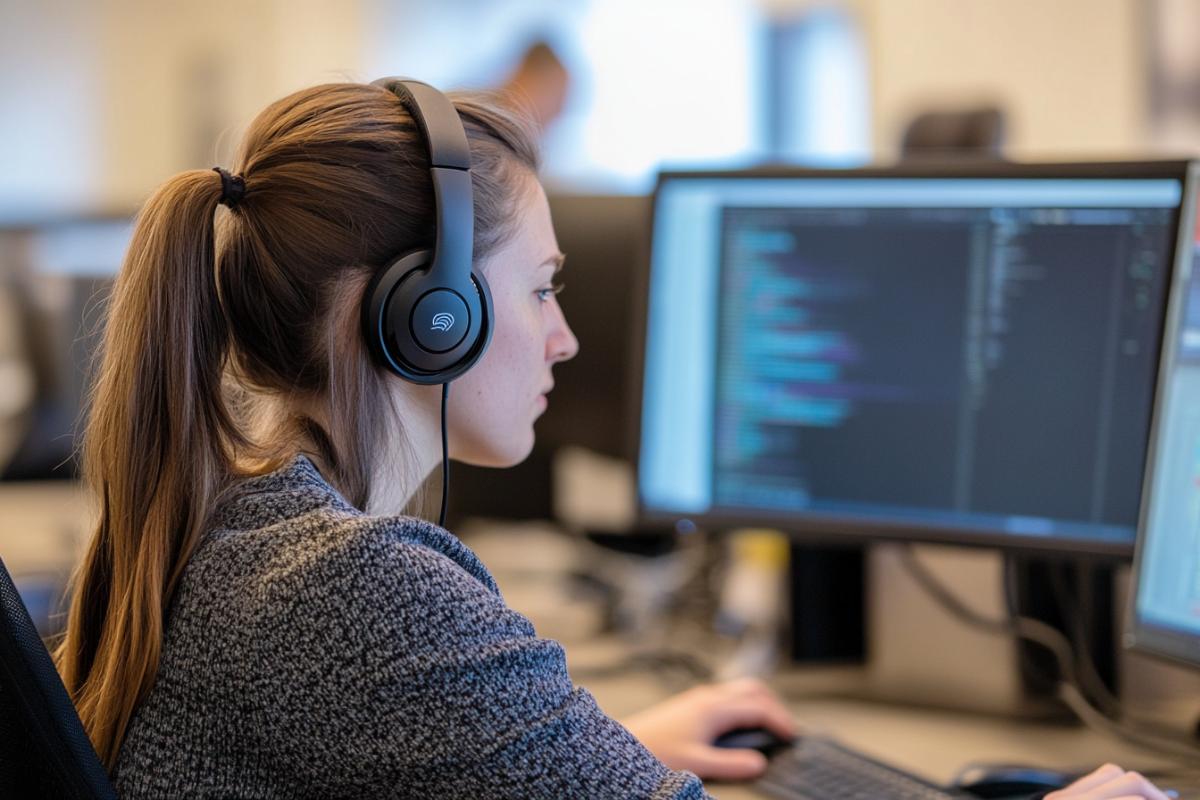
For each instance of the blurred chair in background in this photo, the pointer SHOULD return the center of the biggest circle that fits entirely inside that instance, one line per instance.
(973, 133)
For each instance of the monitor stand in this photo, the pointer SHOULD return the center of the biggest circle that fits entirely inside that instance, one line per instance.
(827, 603)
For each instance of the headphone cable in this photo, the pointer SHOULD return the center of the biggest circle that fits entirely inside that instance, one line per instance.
(445, 458)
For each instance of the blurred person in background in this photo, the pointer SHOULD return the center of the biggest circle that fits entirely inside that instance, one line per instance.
(541, 82)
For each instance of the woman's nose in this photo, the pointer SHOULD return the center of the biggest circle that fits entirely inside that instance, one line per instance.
(561, 345)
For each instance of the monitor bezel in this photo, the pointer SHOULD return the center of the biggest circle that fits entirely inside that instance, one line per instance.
(846, 529)
(1156, 640)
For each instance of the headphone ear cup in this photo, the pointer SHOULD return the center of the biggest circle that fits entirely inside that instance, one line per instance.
(483, 294)
(377, 311)
(422, 330)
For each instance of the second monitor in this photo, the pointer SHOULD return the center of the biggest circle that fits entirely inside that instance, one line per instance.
(956, 357)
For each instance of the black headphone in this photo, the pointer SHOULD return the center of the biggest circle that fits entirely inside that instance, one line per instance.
(427, 316)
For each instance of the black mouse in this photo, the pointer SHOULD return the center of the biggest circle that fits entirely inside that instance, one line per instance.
(1001, 781)
(760, 739)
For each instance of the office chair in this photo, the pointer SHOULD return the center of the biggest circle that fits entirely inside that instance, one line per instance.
(954, 135)
(44, 751)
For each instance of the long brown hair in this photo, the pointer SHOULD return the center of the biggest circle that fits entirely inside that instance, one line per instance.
(223, 337)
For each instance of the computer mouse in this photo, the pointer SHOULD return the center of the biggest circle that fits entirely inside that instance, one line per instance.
(1011, 781)
(760, 739)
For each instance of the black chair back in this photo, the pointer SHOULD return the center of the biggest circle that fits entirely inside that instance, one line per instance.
(44, 751)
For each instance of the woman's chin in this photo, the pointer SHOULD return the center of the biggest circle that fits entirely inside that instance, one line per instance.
(499, 455)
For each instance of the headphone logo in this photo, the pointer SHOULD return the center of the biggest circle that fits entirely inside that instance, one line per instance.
(442, 322)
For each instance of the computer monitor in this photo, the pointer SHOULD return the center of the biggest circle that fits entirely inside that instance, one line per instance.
(964, 355)
(1166, 605)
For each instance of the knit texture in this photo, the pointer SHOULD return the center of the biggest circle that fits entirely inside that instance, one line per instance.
(315, 651)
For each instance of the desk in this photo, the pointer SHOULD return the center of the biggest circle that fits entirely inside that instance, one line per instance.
(43, 526)
(935, 744)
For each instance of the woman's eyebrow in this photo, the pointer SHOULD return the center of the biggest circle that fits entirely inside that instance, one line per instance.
(557, 260)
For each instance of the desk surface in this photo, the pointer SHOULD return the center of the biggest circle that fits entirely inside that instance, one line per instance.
(935, 744)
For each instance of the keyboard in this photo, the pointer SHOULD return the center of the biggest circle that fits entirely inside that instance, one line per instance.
(820, 769)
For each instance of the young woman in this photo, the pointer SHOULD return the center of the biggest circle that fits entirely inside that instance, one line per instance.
(254, 616)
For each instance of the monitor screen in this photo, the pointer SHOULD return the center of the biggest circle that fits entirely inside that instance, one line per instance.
(949, 357)
(1167, 575)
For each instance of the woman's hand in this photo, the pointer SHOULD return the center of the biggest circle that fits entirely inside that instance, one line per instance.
(680, 731)
(1109, 782)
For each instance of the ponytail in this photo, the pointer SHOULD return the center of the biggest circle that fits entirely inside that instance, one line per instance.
(158, 449)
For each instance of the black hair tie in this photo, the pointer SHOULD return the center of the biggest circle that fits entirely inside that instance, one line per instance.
(233, 188)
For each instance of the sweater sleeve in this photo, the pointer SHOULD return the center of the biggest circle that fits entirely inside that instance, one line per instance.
(409, 677)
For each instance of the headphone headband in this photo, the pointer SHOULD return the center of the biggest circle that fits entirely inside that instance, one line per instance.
(427, 315)
(436, 117)
(450, 171)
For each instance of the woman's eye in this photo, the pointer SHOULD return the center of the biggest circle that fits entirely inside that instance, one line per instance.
(544, 294)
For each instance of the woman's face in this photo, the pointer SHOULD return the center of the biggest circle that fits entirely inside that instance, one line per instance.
(493, 406)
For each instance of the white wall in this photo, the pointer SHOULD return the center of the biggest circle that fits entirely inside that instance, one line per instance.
(184, 79)
(106, 99)
(49, 92)
(1070, 73)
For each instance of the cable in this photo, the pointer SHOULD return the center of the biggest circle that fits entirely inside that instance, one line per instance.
(1031, 629)
(1086, 712)
(1087, 685)
(1096, 688)
(1059, 646)
(921, 574)
(445, 458)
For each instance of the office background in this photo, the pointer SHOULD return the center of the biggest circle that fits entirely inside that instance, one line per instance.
(102, 101)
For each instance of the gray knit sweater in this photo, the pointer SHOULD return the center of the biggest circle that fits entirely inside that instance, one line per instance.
(314, 651)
